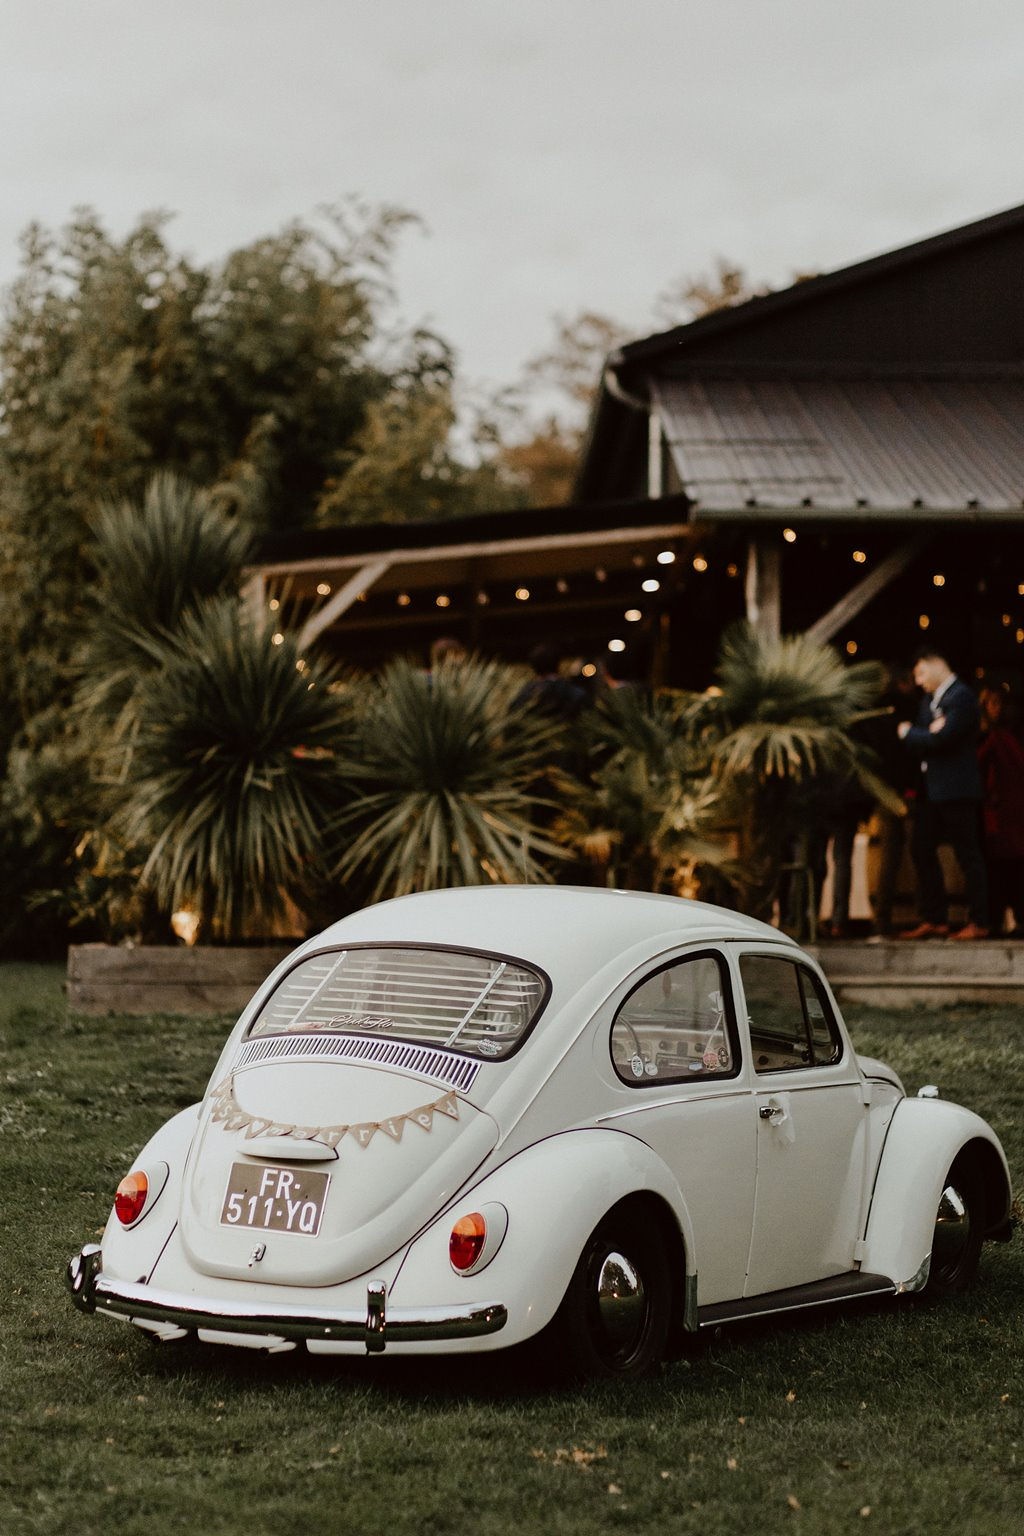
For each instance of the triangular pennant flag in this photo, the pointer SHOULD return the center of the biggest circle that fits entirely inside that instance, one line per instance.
(449, 1105)
(332, 1134)
(256, 1127)
(237, 1120)
(393, 1126)
(423, 1117)
(365, 1133)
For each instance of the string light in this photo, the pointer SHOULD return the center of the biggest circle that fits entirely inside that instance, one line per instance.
(938, 580)
(274, 604)
(443, 600)
(561, 585)
(616, 645)
(601, 574)
(324, 588)
(1007, 621)
(1020, 589)
(923, 621)
(300, 665)
(523, 594)
(859, 556)
(732, 570)
(403, 599)
(1020, 637)
(588, 669)
(277, 639)
(699, 563)
(482, 598)
(789, 534)
(652, 584)
(632, 615)
(851, 647)
(667, 557)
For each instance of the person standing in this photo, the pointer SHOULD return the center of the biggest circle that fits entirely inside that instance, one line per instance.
(945, 738)
(1001, 759)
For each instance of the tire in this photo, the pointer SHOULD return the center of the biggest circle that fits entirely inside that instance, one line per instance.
(614, 1320)
(959, 1224)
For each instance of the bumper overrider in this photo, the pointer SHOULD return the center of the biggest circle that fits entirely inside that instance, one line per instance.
(376, 1327)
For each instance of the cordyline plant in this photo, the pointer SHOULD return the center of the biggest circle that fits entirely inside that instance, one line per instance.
(234, 772)
(780, 728)
(446, 774)
(153, 565)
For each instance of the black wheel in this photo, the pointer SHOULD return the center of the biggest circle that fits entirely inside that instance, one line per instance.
(956, 1244)
(614, 1319)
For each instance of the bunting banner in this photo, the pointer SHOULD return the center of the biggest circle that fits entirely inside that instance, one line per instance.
(225, 1110)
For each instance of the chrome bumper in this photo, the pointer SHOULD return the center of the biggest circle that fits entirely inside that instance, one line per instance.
(375, 1327)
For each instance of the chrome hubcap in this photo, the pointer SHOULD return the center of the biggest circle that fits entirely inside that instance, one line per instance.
(952, 1230)
(621, 1303)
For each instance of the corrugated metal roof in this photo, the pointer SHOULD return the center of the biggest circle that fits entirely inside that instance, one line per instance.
(815, 447)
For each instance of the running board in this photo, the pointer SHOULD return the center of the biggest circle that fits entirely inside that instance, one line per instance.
(820, 1293)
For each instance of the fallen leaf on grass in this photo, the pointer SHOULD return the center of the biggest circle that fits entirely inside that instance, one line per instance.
(791, 1396)
(792, 1501)
(614, 1488)
(731, 1463)
(865, 1511)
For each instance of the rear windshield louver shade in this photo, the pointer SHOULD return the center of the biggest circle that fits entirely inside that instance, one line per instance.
(446, 1067)
(481, 1005)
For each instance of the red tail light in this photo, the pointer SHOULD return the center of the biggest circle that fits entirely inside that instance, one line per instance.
(467, 1240)
(131, 1198)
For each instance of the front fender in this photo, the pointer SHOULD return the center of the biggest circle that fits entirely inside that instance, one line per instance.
(925, 1138)
(555, 1193)
(131, 1253)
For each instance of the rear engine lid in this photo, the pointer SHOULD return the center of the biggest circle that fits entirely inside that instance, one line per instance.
(328, 1167)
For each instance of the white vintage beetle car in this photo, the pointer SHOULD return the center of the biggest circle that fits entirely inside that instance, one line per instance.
(460, 1119)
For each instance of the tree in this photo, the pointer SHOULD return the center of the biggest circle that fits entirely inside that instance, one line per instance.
(541, 453)
(234, 772)
(443, 769)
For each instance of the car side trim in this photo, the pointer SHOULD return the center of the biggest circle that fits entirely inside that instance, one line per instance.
(375, 1327)
(820, 1293)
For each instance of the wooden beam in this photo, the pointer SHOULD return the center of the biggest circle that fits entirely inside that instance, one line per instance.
(895, 563)
(342, 600)
(438, 554)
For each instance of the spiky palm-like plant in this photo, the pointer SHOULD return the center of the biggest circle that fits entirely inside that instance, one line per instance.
(234, 772)
(153, 564)
(445, 770)
(779, 728)
(651, 818)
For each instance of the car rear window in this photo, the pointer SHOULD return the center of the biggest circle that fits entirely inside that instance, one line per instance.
(479, 1004)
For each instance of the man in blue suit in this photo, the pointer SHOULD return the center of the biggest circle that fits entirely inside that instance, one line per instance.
(945, 737)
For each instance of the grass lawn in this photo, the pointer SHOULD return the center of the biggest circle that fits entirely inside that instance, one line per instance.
(894, 1418)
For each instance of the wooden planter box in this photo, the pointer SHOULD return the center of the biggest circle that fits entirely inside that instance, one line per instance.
(112, 978)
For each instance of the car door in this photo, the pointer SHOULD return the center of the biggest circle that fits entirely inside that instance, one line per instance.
(680, 1087)
(811, 1127)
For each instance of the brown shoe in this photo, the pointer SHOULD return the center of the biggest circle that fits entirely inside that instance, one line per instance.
(925, 931)
(972, 931)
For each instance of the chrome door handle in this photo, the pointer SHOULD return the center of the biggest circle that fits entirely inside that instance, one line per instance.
(768, 1111)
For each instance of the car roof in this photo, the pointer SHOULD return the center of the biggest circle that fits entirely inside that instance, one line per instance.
(558, 928)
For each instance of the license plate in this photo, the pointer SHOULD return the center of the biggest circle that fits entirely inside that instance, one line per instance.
(275, 1199)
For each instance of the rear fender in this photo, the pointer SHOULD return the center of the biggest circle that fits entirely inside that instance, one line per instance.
(555, 1192)
(132, 1252)
(924, 1140)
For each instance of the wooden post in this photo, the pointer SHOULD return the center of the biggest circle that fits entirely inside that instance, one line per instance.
(763, 587)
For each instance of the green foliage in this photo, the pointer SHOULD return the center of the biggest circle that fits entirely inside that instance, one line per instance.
(153, 564)
(781, 729)
(444, 771)
(652, 815)
(233, 772)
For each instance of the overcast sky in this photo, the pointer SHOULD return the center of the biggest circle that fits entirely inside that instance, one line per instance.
(564, 154)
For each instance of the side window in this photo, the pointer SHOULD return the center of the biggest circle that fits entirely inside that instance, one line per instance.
(676, 1025)
(791, 1024)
